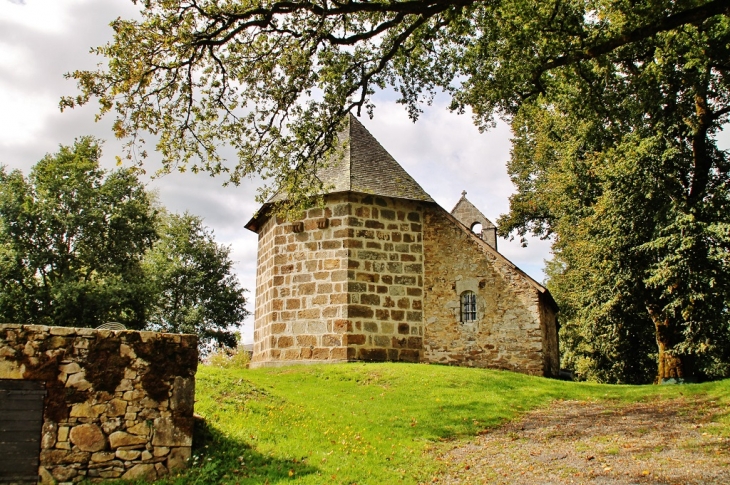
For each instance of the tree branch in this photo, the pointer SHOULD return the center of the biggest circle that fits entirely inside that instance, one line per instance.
(697, 14)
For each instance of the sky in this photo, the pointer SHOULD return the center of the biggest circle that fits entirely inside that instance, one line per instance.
(40, 40)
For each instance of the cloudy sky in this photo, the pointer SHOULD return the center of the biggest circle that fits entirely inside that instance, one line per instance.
(40, 40)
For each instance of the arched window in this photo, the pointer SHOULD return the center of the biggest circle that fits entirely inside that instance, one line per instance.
(468, 307)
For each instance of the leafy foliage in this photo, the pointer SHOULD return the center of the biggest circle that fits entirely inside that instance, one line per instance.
(620, 166)
(275, 78)
(72, 240)
(80, 247)
(191, 276)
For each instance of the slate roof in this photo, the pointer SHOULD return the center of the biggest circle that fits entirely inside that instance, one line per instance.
(365, 166)
(372, 169)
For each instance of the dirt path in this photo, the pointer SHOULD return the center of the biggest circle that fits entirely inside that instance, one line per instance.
(663, 442)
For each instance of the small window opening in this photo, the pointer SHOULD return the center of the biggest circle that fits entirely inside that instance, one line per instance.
(468, 307)
(477, 229)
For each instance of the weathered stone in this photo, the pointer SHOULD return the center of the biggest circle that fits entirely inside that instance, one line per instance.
(45, 477)
(127, 351)
(140, 429)
(183, 395)
(49, 434)
(160, 451)
(88, 437)
(10, 369)
(111, 425)
(128, 455)
(147, 403)
(78, 381)
(120, 438)
(178, 458)
(107, 465)
(116, 407)
(146, 455)
(63, 433)
(62, 331)
(54, 457)
(63, 473)
(133, 395)
(169, 433)
(71, 368)
(87, 410)
(161, 470)
(110, 473)
(141, 472)
(124, 385)
(102, 456)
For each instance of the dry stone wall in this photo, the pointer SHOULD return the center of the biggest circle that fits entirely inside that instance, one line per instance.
(512, 328)
(119, 404)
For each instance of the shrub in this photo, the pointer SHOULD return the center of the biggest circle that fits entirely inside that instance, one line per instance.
(226, 358)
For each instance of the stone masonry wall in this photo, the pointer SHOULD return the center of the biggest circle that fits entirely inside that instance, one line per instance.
(385, 279)
(511, 318)
(343, 283)
(469, 215)
(301, 282)
(119, 404)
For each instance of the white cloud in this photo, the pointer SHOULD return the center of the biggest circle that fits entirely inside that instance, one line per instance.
(23, 116)
(40, 15)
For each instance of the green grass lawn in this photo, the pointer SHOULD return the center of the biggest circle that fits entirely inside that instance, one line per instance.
(368, 423)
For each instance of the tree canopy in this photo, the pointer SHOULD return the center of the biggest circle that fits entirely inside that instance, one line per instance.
(620, 165)
(615, 107)
(275, 78)
(194, 288)
(80, 246)
(72, 240)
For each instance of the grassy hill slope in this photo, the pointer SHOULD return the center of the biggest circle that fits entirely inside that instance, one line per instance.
(368, 423)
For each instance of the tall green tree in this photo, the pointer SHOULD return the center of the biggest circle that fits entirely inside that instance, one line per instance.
(623, 171)
(195, 290)
(72, 237)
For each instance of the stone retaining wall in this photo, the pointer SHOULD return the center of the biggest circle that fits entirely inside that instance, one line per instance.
(119, 404)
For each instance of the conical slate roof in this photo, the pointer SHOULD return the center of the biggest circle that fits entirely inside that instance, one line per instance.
(365, 166)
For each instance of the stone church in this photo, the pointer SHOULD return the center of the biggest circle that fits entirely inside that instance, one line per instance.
(383, 273)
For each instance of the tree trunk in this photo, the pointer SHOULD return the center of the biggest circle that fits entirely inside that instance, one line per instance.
(671, 367)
